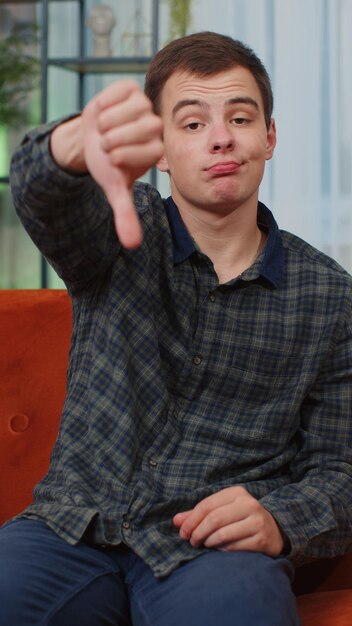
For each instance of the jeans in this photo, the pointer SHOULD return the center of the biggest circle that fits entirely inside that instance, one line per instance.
(44, 581)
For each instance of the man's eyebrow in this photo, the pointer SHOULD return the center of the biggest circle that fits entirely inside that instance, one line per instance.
(243, 100)
(204, 105)
(187, 103)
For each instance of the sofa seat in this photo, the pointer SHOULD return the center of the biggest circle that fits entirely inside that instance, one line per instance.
(326, 608)
(35, 330)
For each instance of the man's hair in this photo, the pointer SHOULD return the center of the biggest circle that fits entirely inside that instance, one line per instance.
(204, 54)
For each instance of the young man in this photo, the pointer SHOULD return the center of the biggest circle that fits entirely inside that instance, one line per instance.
(206, 438)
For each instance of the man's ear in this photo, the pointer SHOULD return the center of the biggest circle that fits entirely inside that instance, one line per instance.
(162, 164)
(270, 140)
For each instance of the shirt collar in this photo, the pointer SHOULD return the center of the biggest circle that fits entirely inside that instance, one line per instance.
(183, 244)
(271, 261)
(272, 265)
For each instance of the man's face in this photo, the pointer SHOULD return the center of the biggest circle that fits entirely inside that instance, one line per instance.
(215, 140)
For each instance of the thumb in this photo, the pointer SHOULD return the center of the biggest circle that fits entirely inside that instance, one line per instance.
(126, 220)
(113, 181)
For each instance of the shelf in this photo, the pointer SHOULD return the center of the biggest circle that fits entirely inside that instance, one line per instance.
(106, 65)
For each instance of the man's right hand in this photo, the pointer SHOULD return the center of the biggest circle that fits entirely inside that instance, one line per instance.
(117, 139)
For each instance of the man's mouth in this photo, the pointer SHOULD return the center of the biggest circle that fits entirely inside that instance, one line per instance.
(223, 167)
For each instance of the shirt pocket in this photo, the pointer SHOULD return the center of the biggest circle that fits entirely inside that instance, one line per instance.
(258, 403)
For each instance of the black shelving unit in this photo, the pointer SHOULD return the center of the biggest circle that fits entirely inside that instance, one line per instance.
(83, 65)
(103, 66)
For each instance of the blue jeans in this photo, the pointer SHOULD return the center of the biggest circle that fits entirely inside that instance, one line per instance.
(44, 581)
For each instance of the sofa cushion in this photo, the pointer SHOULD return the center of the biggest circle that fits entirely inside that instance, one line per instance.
(35, 330)
(326, 608)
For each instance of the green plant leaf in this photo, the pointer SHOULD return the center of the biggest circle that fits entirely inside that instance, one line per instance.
(19, 72)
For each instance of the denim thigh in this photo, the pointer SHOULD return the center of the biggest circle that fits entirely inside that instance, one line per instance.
(44, 581)
(48, 582)
(227, 588)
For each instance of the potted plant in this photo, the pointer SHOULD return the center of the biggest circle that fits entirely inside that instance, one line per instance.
(180, 17)
(18, 74)
(19, 71)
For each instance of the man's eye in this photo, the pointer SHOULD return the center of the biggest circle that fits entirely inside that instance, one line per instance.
(240, 120)
(193, 126)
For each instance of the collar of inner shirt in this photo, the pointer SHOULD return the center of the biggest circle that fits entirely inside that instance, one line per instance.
(268, 265)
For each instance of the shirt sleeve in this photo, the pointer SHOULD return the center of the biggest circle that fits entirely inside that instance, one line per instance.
(315, 509)
(67, 216)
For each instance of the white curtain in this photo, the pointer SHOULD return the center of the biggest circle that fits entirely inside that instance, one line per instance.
(306, 46)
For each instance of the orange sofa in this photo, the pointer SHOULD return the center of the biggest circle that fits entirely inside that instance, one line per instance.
(35, 328)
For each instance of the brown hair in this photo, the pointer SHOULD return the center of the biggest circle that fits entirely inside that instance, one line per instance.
(204, 54)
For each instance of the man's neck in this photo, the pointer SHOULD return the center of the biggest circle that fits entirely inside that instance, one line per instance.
(232, 241)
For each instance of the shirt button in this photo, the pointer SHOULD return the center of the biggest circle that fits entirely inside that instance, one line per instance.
(212, 297)
(153, 463)
(197, 359)
(126, 525)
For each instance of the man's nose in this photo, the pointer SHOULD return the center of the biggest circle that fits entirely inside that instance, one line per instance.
(221, 139)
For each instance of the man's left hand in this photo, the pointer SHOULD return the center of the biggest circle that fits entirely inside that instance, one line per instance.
(230, 520)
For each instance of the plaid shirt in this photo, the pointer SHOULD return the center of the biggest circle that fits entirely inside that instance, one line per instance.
(179, 386)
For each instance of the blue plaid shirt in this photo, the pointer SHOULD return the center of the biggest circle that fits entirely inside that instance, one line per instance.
(179, 386)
